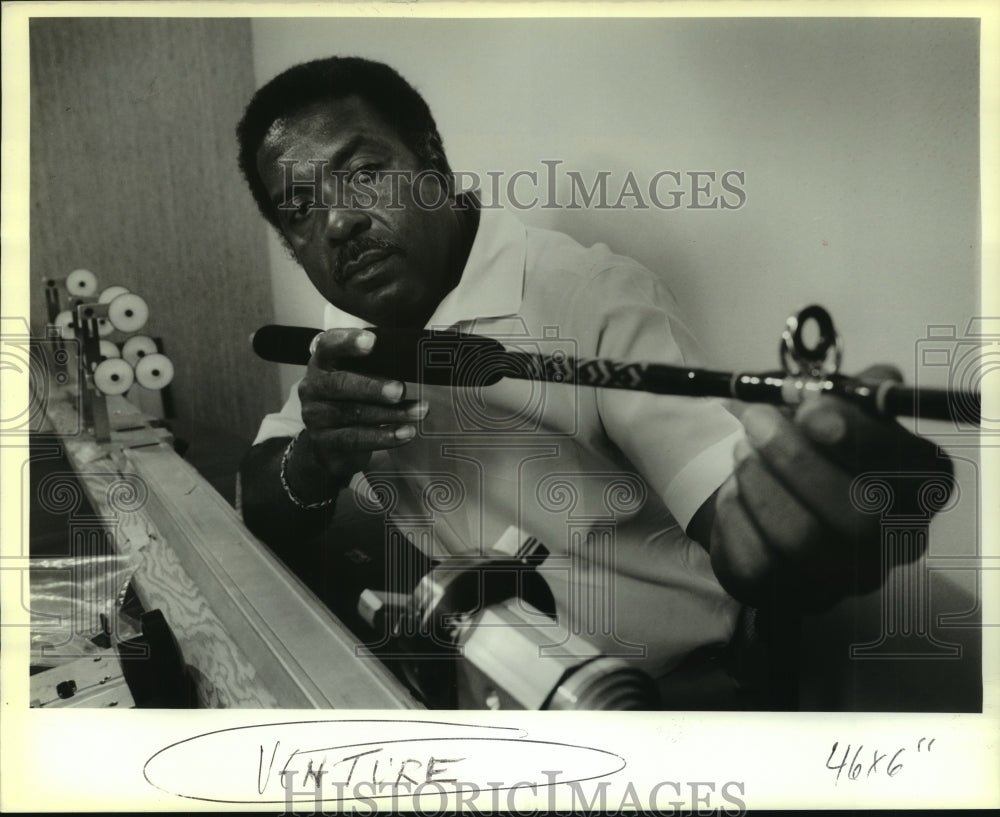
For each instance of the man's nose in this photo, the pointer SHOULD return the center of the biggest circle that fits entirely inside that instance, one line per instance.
(344, 223)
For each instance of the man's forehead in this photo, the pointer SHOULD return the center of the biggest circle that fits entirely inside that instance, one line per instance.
(278, 129)
(328, 123)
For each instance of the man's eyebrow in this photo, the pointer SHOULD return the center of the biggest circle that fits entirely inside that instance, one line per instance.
(337, 160)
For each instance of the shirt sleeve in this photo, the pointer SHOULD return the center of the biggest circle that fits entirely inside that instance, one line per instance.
(682, 446)
(285, 423)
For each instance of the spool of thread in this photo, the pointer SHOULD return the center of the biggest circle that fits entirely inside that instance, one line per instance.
(137, 347)
(128, 312)
(154, 371)
(110, 293)
(63, 321)
(113, 376)
(81, 283)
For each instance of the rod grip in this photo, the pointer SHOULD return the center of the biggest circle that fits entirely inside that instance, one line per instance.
(411, 355)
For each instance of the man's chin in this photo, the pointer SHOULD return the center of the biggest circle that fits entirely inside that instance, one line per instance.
(393, 306)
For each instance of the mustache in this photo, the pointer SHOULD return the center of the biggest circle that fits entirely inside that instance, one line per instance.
(355, 248)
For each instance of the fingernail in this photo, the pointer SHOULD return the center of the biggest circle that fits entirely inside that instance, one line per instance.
(364, 341)
(417, 410)
(825, 425)
(760, 424)
(741, 450)
(405, 432)
(392, 391)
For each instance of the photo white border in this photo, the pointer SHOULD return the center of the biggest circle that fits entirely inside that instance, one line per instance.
(76, 760)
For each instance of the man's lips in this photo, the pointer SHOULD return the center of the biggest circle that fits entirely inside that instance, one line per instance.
(364, 263)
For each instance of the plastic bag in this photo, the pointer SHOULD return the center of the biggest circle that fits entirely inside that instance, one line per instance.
(74, 600)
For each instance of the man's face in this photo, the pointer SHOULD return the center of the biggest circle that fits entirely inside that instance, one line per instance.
(359, 214)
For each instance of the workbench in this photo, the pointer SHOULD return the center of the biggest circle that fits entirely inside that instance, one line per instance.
(250, 632)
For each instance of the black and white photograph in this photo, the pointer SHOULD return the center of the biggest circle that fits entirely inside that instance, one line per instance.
(460, 407)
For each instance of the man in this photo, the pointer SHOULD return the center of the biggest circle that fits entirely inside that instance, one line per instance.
(662, 516)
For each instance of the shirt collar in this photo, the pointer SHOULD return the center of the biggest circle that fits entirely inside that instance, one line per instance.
(492, 282)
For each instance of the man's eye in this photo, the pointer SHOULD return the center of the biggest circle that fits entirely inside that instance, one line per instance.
(299, 209)
(365, 175)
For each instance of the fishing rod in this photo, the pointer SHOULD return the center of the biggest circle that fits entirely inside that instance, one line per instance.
(810, 352)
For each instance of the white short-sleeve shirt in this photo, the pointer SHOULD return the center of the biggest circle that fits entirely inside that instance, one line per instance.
(606, 479)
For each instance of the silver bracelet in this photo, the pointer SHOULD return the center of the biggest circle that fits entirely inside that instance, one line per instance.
(282, 473)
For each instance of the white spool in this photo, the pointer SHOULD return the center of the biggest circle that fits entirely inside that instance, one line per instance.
(128, 313)
(109, 351)
(81, 283)
(109, 294)
(137, 347)
(154, 371)
(63, 321)
(104, 327)
(113, 376)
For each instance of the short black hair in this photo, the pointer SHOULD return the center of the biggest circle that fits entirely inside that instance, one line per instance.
(391, 96)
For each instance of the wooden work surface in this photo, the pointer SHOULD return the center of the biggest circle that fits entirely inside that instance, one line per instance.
(250, 632)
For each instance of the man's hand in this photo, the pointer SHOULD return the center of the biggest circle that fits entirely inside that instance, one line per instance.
(786, 528)
(347, 415)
